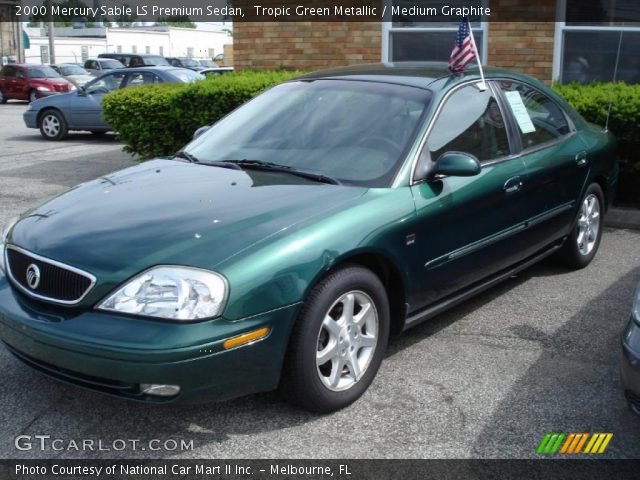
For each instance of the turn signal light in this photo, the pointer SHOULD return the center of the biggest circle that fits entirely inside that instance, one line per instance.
(246, 338)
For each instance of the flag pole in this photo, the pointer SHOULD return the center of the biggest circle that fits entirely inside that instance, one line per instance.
(483, 84)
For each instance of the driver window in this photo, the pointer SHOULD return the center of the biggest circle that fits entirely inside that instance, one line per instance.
(470, 122)
(106, 84)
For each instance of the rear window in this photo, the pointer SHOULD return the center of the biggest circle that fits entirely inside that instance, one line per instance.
(155, 60)
(186, 76)
(111, 64)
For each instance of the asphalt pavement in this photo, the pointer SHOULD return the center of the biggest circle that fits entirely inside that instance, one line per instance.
(490, 378)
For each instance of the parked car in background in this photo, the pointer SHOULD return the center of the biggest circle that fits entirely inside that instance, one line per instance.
(185, 62)
(30, 82)
(137, 59)
(207, 63)
(82, 110)
(631, 356)
(74, 73)
(98, 66)
(290, 239)
(215, 71)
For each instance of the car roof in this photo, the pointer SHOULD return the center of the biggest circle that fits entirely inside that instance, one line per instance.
(428, 75)
(109, 55)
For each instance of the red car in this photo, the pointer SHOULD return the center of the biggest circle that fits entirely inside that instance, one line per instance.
(30, 82)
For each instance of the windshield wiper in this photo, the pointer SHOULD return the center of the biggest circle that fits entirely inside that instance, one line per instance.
(275, 167)
(193, 159)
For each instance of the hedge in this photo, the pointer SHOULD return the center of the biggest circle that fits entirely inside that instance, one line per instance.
(156, 120)
(592, 102)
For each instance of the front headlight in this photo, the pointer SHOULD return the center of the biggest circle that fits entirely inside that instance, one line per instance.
(72, 87)
(43, 89)
(636, 305)
(174, 293)
(4, 233)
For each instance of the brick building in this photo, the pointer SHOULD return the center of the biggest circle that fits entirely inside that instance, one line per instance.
(9, 32)
(567, 40)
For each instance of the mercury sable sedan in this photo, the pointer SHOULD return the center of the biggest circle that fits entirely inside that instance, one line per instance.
(284, 245)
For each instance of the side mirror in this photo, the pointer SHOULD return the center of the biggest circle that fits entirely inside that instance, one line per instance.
(200, 131)
(457, 164)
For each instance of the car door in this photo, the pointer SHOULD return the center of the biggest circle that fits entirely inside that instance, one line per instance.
(20, 84)
(86, 104)
(7, 75)
(466, 228)
(556, 160)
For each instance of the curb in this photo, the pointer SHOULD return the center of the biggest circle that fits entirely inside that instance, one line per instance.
(622, 218)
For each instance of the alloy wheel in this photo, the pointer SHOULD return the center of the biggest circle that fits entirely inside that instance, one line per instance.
(347, 340)
(588, 224)
(51, 125)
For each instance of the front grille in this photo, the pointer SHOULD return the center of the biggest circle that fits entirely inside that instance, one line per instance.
(62, 88)
(57, 282)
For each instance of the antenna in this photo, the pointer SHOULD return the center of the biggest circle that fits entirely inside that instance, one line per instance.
(615, 77)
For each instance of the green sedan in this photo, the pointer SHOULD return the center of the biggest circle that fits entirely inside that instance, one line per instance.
(285, 244)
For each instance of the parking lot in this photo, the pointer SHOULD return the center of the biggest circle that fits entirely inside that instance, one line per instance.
(537, 354)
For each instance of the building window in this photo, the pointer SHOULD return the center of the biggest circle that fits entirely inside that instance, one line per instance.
(588, 38)
(134, 49)
(406, 38)
(44, 54)
(147, 49)
(84, 52)
(189, 52)
(119, 49)
(161, 51)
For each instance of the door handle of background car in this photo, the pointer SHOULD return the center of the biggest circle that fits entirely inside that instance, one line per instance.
(513, 185)
(581, 159)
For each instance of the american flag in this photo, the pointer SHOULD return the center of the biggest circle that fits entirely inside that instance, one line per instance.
(463, 51)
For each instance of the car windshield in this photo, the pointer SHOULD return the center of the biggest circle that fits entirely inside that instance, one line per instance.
(207, 63)
(186, 76)
(73, 70)
(155, 60)
(42, 72)
(356, 132)
(189, 62)
(110, 64)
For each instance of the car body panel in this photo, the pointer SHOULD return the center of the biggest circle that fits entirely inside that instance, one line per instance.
(274, 235)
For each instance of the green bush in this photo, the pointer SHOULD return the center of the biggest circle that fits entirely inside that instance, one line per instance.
(592, 102)
(157, 120)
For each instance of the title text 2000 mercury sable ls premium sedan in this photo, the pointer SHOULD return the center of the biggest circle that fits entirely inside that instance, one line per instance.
(284, 245)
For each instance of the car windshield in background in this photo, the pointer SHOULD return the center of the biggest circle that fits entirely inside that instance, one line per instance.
(110, 64)
(207, 63)
(356, 132)
(73, 70)
(188, 62)
(186, 76)
(42, 72)
(155, 60)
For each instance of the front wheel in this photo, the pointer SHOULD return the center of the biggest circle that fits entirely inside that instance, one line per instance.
(3, 98)
(583, 242)
(33, 96)
(53, 125)
(338, 342)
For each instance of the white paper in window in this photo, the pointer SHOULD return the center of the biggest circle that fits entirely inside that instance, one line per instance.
(520, 112)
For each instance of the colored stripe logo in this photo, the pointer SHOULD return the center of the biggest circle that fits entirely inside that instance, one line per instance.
(574, 443)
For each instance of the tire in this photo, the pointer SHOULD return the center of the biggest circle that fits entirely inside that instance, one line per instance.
(53, 125)
(33, 96)
(583, 242)
(324, 325)
(3, 98)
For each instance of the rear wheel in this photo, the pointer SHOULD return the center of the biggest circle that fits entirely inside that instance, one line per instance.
(338, 342)
(583, 242)
(52, 125)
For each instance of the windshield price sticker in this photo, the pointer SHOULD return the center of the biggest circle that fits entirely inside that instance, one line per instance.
(520, 112)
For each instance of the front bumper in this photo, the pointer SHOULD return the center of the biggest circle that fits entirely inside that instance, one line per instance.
(630, 364)
(115, 354)
(30, 118)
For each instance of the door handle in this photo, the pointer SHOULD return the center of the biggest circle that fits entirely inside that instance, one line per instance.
(581, 159)
(513, 185)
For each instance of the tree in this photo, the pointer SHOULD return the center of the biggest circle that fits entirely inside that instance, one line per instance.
(182, 21)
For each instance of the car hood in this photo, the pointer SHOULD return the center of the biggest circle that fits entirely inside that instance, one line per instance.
(48, 81)
(79, 79)
(171, 212)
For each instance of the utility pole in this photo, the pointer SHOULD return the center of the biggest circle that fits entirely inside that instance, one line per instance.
(52, 46)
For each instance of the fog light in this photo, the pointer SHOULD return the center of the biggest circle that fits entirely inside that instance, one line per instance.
(160, 390)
